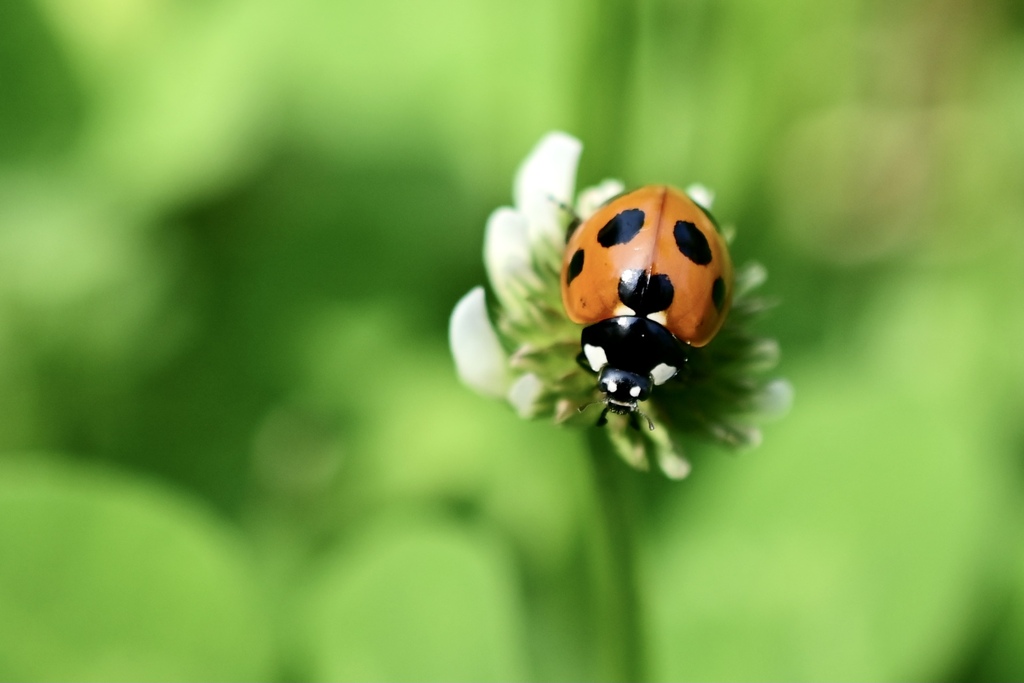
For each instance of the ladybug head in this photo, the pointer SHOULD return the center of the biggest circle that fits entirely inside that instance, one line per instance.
(622, 389)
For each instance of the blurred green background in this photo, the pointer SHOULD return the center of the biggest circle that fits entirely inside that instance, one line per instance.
(234, 446)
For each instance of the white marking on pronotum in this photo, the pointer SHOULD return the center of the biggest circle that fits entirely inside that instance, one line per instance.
(662, 373)
(658, 317)
(595, 356)
(634, 391)
(623, 309)
(612, 386)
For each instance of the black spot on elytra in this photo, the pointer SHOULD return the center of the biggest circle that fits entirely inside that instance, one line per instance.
(692, 243)
(621, 229)
(575, 267)
(645, 294)
(718, 293)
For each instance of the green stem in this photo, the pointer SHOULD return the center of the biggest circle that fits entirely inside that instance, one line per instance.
(624, 630)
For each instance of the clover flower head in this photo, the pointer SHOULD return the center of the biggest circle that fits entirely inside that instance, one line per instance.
(519, 345)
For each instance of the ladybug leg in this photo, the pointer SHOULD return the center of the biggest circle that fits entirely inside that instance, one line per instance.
(603, 420)
(634, 421)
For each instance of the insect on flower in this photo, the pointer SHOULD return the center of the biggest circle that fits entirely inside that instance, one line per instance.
(644, 296)
(648, 273)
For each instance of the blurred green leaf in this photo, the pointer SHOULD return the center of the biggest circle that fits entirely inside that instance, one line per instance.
(858, 542)
(411, 600)
(231, 233)
(105, 578)
(41, 108)
(1001, 657)
(491, 462)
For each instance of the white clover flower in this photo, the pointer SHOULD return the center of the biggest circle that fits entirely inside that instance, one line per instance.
(528, 354)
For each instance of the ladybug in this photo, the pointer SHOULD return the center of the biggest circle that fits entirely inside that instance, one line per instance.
(649, 275)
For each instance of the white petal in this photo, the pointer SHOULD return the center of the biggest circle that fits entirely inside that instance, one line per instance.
(629, 447)
(591, 199)
(480, 360)
(749, 277)
(564, 409)
(762, 355)
(701, 195)
(669, 455)
(546, 179)
(729, 234)
(524, 393)
(507, 256)
(674, 466)
(775, 399)
(737, 434)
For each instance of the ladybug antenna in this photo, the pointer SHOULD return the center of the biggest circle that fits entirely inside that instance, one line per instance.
(587, 405)
(601, 421)
(576, 220)
(562, 205)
